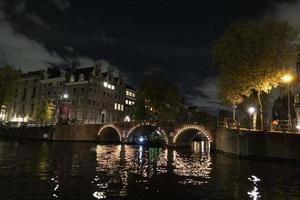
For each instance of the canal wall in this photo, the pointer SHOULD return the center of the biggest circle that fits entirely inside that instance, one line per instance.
(258, 144)
(39, 133)
(81, 132)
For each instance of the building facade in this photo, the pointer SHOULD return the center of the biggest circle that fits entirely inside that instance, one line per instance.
(96, 95)
(25, 105)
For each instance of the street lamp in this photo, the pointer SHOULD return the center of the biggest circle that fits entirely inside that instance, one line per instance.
(287, 79)
(251, 111)
(65, 96)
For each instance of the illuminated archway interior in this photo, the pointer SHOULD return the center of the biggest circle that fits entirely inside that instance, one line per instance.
(146, 134)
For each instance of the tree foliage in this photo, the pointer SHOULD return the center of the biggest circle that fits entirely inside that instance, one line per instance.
(46, 112)
(252, 58)
(161, 96)
(8, 83)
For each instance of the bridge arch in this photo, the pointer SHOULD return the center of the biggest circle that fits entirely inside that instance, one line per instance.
(201, 131)
(101, 132)
(158, 129)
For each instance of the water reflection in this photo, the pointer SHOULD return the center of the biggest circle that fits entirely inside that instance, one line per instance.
(254, 194)
(117, 164)
(88, 171)
(54, 182)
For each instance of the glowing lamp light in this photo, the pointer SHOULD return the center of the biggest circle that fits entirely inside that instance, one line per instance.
(287, 78)
(127, 119)
(141, 139)
(251, 110)
(298, 126)
(65, 96)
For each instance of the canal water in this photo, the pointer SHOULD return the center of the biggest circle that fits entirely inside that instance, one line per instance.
(39, 170)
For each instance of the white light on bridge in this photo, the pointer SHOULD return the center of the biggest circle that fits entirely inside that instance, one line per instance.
(141, 139)
(127, 119)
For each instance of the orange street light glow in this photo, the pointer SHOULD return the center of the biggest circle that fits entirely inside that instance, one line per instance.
(287, 78)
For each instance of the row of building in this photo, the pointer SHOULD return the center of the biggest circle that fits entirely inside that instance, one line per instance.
(95, 95)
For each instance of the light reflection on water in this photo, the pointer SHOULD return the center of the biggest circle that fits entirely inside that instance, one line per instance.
(254, 194)
(88, 171)
(146, 163)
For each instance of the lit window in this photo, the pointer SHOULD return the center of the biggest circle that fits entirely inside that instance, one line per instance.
(105, 84)
(126, 101)
(119, 107)
(81, 77)
(112, 87)
(122, 107)
(109, 86)
(116, 106)
(72, 78)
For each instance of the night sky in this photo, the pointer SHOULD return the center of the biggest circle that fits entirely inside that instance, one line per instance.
(141, 38)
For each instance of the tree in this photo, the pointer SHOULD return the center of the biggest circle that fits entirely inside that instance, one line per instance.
(252, 58)
(139, 109)
(8, 84)
(45, 112)
(160, 97)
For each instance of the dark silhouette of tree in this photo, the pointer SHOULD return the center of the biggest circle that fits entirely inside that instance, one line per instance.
(157, 99)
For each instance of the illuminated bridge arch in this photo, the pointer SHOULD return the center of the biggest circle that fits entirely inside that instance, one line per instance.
(201, 131)
(117, 130)
(157, 129)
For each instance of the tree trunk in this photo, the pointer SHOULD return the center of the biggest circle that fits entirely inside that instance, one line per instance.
(260, 111)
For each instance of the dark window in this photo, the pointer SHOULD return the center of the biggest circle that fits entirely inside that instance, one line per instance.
(26, 82)
(33, 92)
(74, 90)
(32, 109)
(49, 92)
(24, 94)
(94, 102)
(23, 109)
(89, 102)
(82, 89)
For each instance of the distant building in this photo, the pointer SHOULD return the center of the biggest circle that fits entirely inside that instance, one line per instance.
(296, 93)
(130, 99)
(25, 105)
(96, 95)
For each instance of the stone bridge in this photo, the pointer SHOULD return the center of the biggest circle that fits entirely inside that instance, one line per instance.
(173, 134)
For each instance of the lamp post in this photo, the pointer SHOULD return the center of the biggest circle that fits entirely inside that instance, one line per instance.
(288, 79)
(251, 111)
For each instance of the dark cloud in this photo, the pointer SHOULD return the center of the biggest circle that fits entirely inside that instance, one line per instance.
(207, 95)
(153, 71)
(61, 4)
